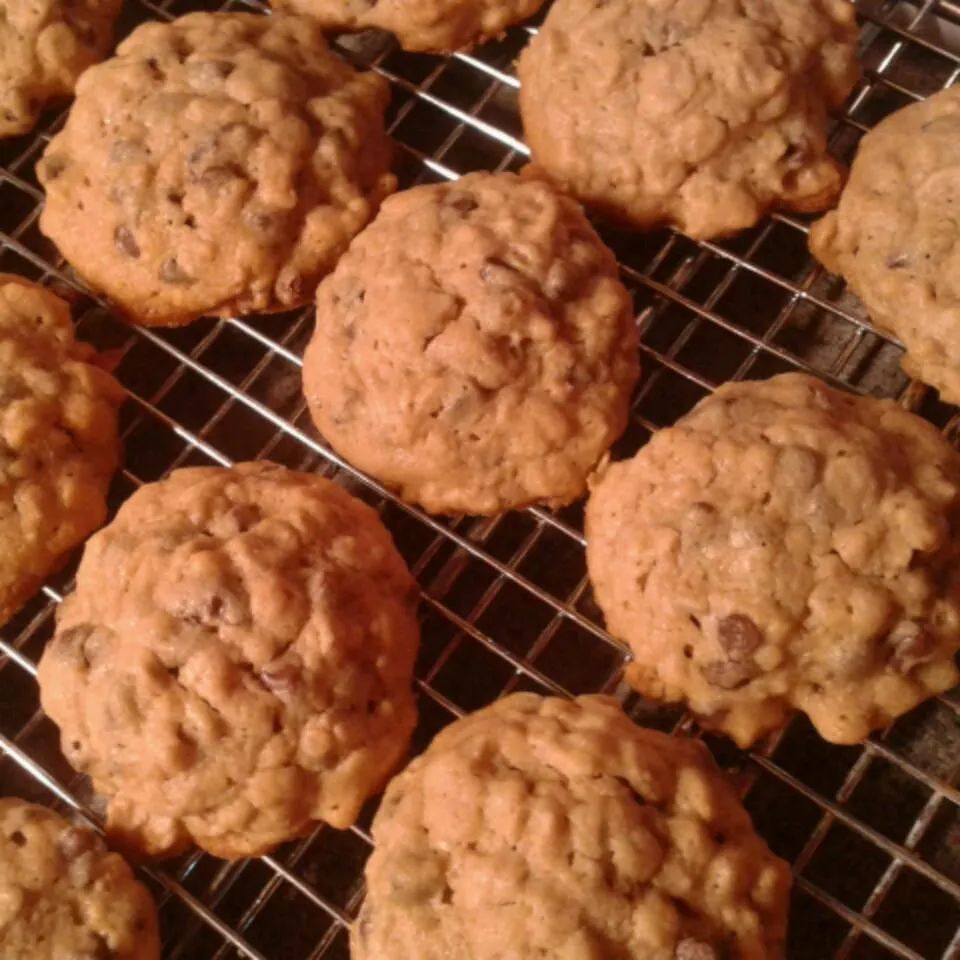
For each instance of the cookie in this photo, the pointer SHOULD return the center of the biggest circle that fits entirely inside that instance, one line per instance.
(218, 164)
(703, 114)
(541, 827)
(44, 47)
(432, 26)
(895, 237)
(474, 349)
(236, 661)
(784, 546)
(64, 896)
(58, 439)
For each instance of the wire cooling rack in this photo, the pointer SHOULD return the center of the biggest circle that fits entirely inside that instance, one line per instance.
(873, 832)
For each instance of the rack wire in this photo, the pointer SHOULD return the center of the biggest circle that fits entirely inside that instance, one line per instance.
(873, 832)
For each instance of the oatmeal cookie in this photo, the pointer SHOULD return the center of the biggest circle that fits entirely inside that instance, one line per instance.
(895, 237)
(64, 896)
(218, 164)
(58, 439)
(432, 26)
(542, 827)
(474, 349)
(44, 46)
(236, 660)
(698, 113)
(784, 545)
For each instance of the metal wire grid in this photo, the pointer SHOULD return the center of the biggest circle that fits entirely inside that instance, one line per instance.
(873, 831)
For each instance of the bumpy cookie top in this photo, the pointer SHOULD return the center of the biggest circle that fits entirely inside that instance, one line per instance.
(699, 113)
(784, 545)
(217, 164)
(546, 828)
(58, 439)
(44, 46)
(429, 25)
(474, 348)
(896, 235)
(236, 660)
(63, 895)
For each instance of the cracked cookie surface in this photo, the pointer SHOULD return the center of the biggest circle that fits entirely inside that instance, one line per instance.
(58, 439)
(474, 350)
(63, 895)
(783, 546)
(541, 827)
(218, 164)
(236, 660)
(699, 113)
(44, 47)
(431, 26)
(895, 236)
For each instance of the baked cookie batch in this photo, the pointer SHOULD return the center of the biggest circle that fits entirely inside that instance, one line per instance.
(235, 662)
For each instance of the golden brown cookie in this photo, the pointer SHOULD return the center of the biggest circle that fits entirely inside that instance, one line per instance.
(895, 237)
(44, 46)
(64, 896)
(784, 546)
(699, 113)
(218, 164)
(236, 660)
(475, 350)
(58, 439)
(433, 26)
(541, 827)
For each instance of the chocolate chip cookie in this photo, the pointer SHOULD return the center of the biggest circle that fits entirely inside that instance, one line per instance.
(218, 164)
(44, 46)
(699, 113)
(784, 546)
(433, 26)
(58, 439)
(895, 237)
(541, 827)
(64, 896)
(474, 350)
(236, 660)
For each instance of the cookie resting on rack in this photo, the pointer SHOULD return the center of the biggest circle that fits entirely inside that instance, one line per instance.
(64, 896)
(784, 546)
(44, 47)
(703, 114)
(432, 26)
(58, 439)
(895, 237)
(218, 164)
(541, 827)
(475, 350)
(236, 660)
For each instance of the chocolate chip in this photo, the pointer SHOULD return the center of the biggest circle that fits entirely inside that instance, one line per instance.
(125, 241)
(728, 675)
(50, 167)
(463, 203)
(284, 678)
(739, 636)
(690, 949)
(171, 272)
(76, 841)
(912, 645)
(17, 839)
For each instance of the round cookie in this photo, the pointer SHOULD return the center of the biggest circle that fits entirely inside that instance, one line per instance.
(474, 349)
(541, 827)
(64, 895)
(44, 47)
(784, 545)
(236, 661)
(432, 26)
(699, 113)
(58, 439)
(218, 164)
(895, 237)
